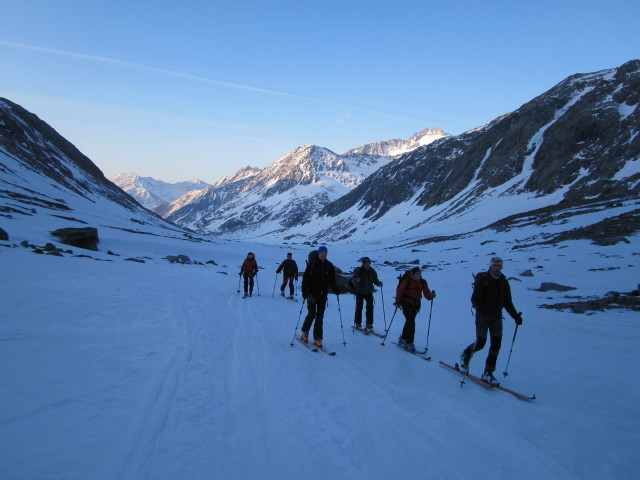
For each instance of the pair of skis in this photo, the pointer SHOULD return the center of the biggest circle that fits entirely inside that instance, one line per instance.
(484, 384)
(364, 331)
(421, 354)
(315, 348)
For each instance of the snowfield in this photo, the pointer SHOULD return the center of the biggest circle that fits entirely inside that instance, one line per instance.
(114, 369)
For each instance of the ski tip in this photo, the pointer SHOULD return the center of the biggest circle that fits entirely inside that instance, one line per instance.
(333, 354)
(428, 359)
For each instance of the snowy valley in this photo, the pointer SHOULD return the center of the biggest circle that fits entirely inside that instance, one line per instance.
(118, 363)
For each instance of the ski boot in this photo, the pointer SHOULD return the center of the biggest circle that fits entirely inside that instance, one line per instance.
(304, 337)
(358, 326)
(489, 378)
(369, 327)
(282, 293)
(318, 342)
(465, 358)
(410, 347)
(401, 342)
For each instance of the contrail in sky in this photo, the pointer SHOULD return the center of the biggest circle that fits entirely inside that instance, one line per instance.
(195, 78)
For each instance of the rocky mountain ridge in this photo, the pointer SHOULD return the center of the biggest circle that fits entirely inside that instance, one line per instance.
(285, 193)
(46, 183)
(576, 144)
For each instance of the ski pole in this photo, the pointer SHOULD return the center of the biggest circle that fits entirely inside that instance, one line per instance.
(390, 323)
(384, 315)
(298, 322)
(344, 341)
(429, 328)
(258, 283)
(505, 373)
(239, 279)
(274, 285)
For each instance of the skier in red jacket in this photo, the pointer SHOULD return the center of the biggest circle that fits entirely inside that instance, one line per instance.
(411, 289)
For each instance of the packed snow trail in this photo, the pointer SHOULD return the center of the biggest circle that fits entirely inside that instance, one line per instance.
(160, 371)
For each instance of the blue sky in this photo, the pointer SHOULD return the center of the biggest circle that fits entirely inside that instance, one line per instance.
(179, 90)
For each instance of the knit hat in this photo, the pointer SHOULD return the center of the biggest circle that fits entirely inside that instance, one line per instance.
(322, 249)
(495, 261)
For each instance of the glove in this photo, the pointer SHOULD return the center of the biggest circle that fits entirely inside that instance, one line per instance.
(518, 319)
(433, 294)
(380, 284)
(240, 274)
(310, 299)
(398, 305)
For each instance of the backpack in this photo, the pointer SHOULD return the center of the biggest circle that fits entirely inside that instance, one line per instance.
(352, 286)
(484, 274)
(401, 278)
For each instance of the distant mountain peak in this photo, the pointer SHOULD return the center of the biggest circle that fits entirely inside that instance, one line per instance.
(397, 146)
(152, 193)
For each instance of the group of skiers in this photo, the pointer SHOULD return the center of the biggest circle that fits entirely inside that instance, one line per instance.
(491, 294)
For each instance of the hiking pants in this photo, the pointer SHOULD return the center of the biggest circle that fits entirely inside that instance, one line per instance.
(409, 330)
(248, 283)
(286, 279)
(360, 299)
(316, 312)
(487, 325)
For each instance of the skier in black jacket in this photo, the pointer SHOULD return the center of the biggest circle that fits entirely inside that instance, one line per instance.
(319, 278)
(364, 278)
(491, 293)
(289, 267)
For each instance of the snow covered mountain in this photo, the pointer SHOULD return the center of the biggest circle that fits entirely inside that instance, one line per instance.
(192, 207)
(47, 184)
(573, 148)
(200, 208)
(287, 193)
(397, 146)
(152, 193)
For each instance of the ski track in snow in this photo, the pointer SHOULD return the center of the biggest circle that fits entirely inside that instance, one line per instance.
(160, 371)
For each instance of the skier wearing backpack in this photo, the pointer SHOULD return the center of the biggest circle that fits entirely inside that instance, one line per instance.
(318, 278)
(411, 289)
(491, 293)
(249, 269)
(289, 267)
(364, 278)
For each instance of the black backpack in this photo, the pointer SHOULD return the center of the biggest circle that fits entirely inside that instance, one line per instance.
(401, 278)
(352, 286)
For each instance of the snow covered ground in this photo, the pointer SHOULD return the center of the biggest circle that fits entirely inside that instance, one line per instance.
(162, 371)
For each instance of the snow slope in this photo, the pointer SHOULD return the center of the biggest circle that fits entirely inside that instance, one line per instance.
(161, 371)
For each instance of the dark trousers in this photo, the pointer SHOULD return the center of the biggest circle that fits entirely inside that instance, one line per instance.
(360, 299)
(248, 283)
(316, 312)
(492, 326)
(286, 279)
(409, 330)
